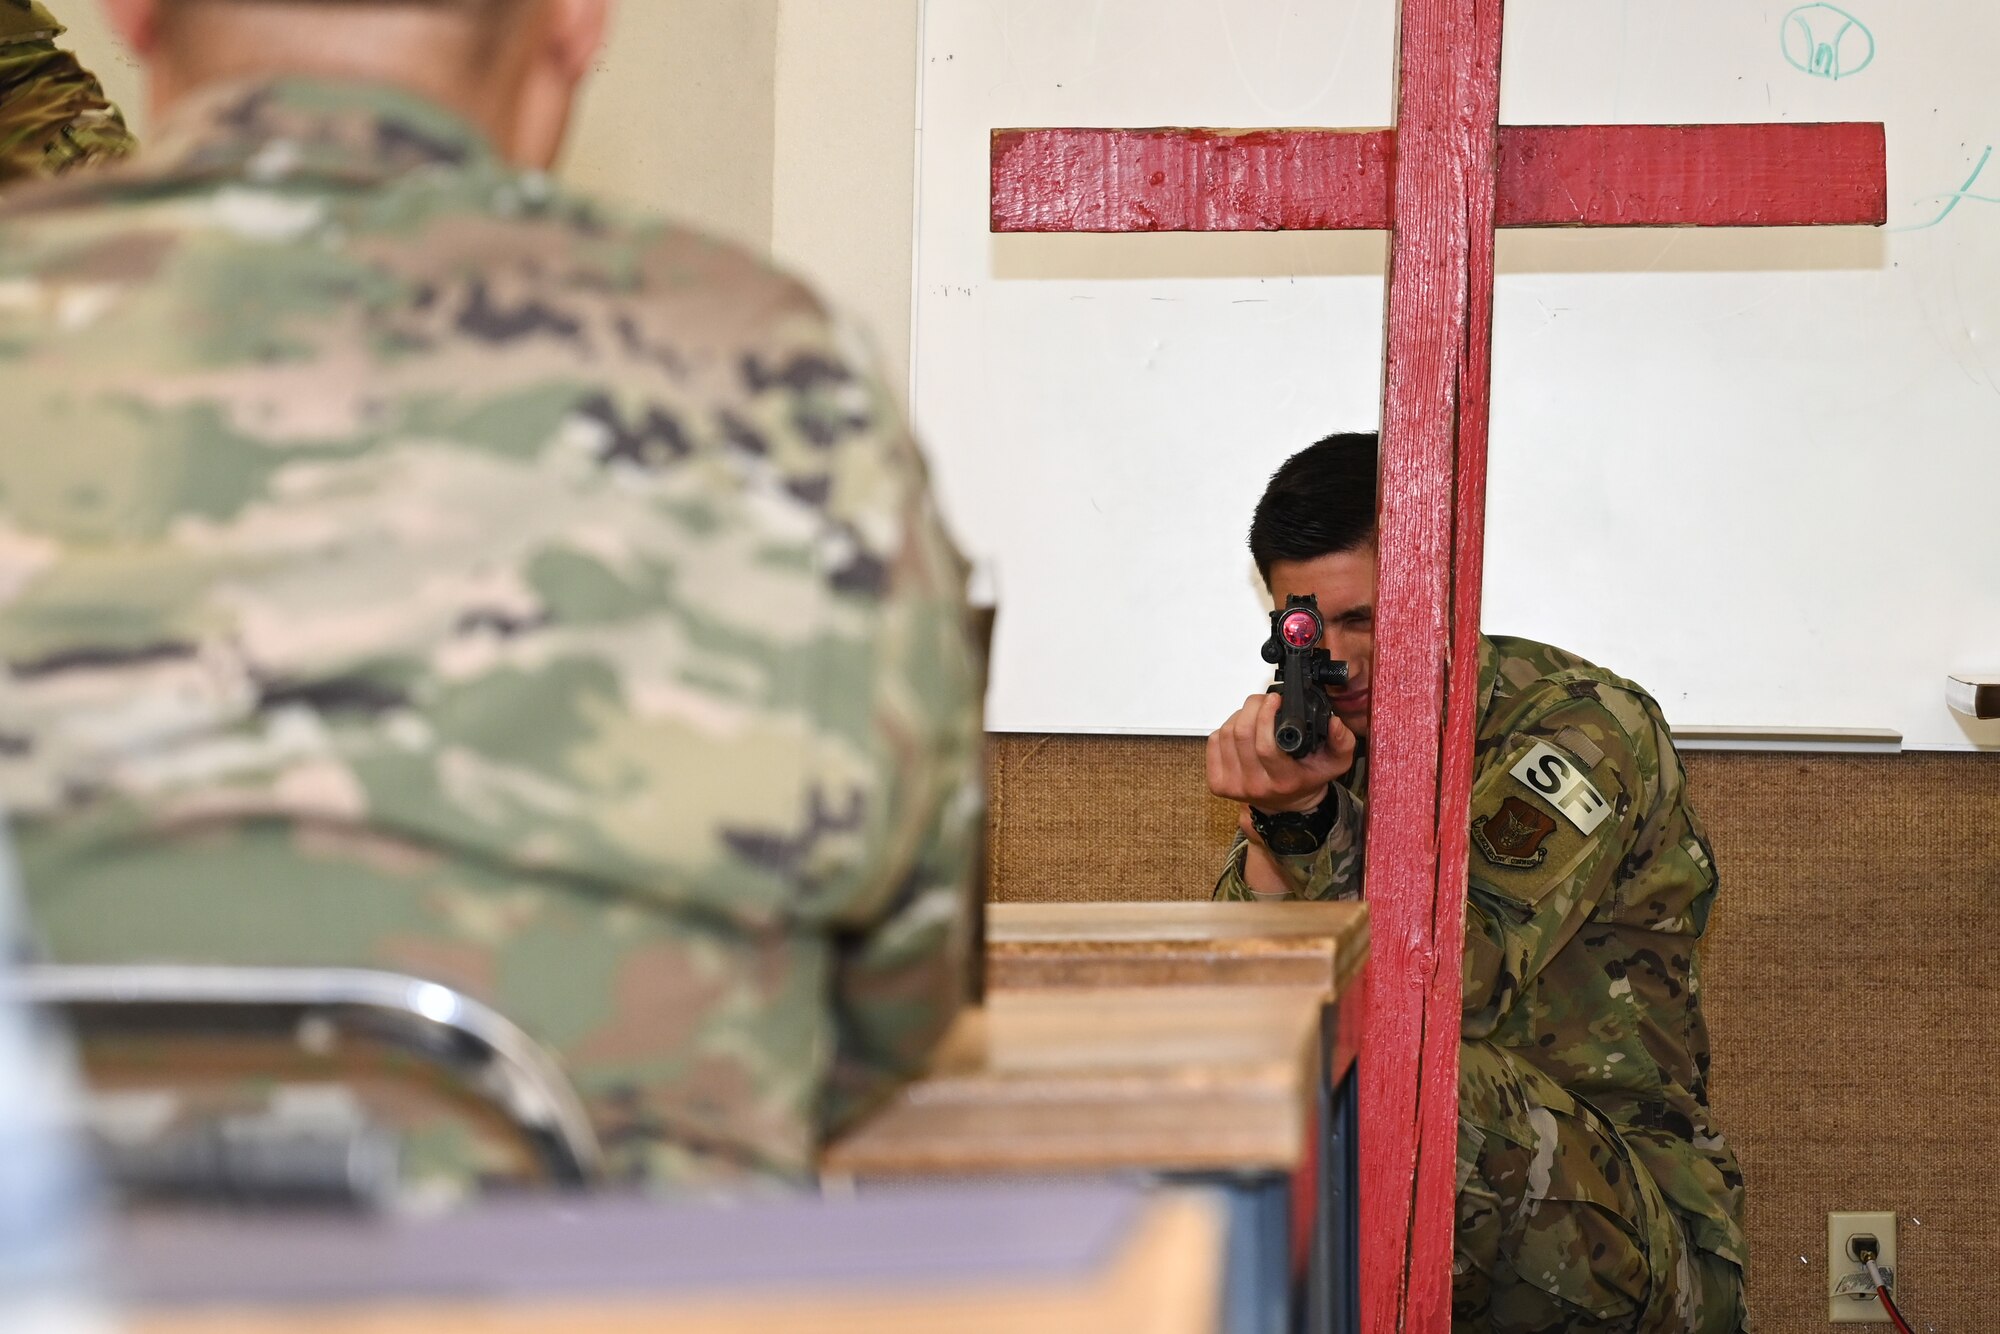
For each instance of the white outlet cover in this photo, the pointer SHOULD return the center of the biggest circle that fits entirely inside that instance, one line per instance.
(1847, 1310)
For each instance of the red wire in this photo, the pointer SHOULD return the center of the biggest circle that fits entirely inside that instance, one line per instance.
(1894, 1314)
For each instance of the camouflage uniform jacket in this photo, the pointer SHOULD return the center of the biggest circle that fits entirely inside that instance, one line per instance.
(1590, 886)
(404, 564)
(53, 113)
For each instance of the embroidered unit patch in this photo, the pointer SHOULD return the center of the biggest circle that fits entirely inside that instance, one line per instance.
(1559, 780)
(1513, 835)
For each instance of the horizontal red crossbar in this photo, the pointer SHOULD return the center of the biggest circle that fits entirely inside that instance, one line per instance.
(1782, 175)
(1172, 180)
(1181, 180)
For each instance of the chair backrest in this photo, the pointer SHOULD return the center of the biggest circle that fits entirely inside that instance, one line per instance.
(158, 1038)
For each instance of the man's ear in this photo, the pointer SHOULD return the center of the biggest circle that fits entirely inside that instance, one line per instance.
(137, 21)
(576, 33)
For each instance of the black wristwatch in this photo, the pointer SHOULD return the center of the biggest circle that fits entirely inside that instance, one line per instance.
(1297, 833)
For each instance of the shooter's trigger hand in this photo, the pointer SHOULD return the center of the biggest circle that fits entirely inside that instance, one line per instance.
(1245, 764)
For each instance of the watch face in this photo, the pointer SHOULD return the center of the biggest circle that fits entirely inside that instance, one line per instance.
(1290, 840)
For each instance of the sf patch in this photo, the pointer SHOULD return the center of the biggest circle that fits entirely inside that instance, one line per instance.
(1513, 835)
(1559, 780)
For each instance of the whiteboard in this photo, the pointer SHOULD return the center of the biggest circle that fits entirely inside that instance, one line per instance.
(1755, 471)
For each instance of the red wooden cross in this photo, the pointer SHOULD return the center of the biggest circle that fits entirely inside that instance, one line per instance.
(1441, 182)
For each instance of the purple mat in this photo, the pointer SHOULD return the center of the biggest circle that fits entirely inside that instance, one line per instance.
(946, 1235)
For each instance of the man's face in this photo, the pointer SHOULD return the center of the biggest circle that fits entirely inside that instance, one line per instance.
(1344, 583)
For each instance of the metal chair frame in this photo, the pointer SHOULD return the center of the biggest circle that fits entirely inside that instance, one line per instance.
(488, 1051)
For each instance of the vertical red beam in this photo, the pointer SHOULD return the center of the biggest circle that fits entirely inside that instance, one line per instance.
(1434, 422)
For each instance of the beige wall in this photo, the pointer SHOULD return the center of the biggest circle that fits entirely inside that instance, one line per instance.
(786, 125)
(106, 57)
(678, 118)
(845, 178)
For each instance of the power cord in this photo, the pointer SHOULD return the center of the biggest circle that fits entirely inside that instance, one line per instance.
(1882, 1291)
(1865, 1249)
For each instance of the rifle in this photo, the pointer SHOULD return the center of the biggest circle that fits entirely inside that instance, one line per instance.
(1304, 670)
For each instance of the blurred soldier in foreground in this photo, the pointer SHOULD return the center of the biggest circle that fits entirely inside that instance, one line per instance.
(53, 113)
(406, 564)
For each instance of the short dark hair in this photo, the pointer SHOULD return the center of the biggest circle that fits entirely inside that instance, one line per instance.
(1322, 501)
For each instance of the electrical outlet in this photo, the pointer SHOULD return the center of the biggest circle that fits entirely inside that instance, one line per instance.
(1846, 1305)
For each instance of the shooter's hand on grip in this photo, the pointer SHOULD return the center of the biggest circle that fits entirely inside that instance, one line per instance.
(1245, 764)
(1282, 748)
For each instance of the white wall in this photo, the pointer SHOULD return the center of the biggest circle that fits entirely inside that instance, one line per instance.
(1752, 470)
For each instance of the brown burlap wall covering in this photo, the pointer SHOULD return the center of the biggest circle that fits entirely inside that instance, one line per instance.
(1853, 978)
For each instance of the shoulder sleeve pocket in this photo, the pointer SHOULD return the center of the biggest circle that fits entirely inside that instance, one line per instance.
(1536, 818)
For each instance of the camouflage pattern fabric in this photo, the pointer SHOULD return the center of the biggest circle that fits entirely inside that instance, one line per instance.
(1332, 872)
(1558, 1230)
(405, 564)
(1590, 886)
(53, 112)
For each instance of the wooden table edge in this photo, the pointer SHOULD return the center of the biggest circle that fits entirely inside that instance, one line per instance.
(1266, 1131)
(1024, 958)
